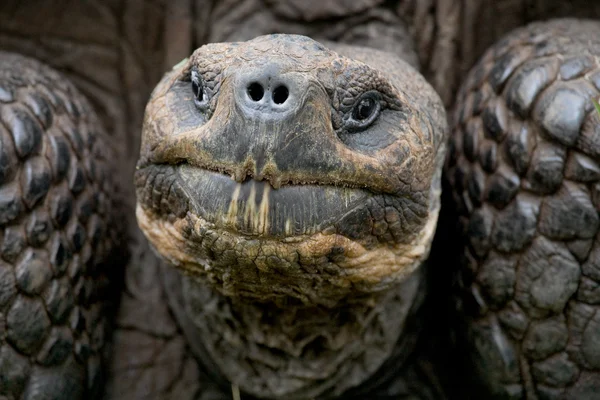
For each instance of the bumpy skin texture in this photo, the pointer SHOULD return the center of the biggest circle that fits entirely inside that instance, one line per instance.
(524, 169)
(292, 212)
(56, 197)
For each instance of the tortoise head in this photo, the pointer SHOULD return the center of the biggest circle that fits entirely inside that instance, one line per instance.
(277, 167)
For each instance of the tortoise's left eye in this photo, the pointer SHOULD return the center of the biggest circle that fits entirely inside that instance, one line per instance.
(198, 88)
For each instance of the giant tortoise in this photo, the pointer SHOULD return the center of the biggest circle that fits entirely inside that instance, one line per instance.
(262, 222)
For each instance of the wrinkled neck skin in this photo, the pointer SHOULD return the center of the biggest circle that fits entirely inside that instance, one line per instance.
(317, 351)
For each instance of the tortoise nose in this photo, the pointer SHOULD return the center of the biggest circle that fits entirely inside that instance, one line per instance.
(267, 94)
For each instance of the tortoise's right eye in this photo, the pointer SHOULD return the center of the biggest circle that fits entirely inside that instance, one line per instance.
(364, 109)
(198, 88)
(364, 113)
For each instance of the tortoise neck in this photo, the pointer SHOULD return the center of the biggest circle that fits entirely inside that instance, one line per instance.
(289, 349)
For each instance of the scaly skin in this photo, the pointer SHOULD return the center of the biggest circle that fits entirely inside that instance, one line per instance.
(524, 168)
(56, 197)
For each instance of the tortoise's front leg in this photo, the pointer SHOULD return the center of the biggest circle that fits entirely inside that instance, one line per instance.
(57, 236)
(525, 171)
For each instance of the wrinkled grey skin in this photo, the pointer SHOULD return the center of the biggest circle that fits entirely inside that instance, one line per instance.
(536, 340)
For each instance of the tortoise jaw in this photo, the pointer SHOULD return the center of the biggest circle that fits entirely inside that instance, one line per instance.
(318, 243)
(256, 208)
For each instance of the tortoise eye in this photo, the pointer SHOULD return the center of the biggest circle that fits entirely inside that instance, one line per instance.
(365, 111)
(197, 88)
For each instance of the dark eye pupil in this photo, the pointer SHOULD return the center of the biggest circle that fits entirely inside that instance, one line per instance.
(197, 89)
(364, 109)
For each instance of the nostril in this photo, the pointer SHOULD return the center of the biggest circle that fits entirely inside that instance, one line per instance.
(280, 94)
(255, 91)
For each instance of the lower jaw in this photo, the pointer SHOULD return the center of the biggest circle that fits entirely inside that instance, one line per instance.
(320, 269)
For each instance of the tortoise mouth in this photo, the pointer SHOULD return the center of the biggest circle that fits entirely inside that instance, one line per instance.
(314, 242)
(255, 208)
